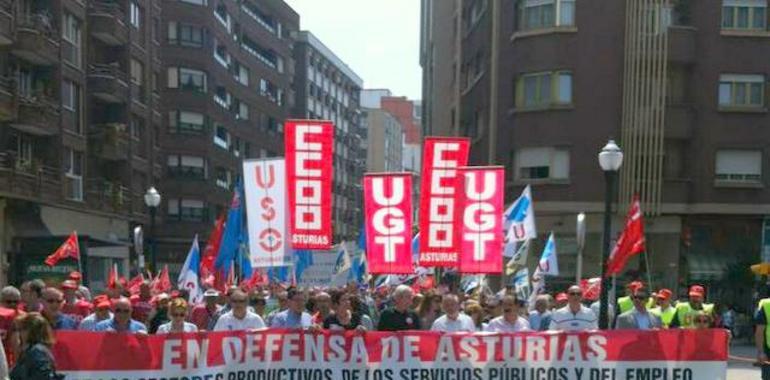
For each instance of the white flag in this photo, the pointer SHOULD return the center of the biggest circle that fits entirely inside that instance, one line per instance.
(519, 219)
(519, 259)
(549, 265)
(188, 277)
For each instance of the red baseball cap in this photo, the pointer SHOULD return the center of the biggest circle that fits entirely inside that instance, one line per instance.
(635, 285)
(75, 276)
(69, 284)
(103, 304)
(697, 291)
(561, 297)
(665, 294)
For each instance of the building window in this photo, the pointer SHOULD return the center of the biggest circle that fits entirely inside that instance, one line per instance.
(222, 97)
(186, 167)
(241, 74)
(750, 15)
(224, 178)
(545, 163)
(187, 79)
(543, 14)
(243, 111)
(741, 91)
(186, 122)
(72, 101)
(136, 14)
(542, 90)
(739, 166)
(223, 17)
(185, 35)
(73, 171)
(71, 34)
(137, 72)
(186, 210)
(222, 137)
(196, 2)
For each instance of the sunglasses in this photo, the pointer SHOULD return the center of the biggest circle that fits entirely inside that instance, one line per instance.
(578, 294)
(179, 315)
(507, 310)
(122, 311)
(51, 300)
(238, 301)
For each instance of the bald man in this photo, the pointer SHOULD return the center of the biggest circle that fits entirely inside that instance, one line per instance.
(121, 321)
(53, 299)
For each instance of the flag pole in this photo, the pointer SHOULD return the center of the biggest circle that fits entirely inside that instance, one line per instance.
(80, 257)
(647, 265)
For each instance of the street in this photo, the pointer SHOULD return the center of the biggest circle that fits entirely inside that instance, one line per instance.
(739, 369)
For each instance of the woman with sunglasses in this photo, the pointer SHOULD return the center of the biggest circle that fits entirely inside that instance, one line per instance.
(36, 361)
(177, 310)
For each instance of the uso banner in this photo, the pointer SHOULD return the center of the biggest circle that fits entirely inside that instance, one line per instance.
(309, 165)
(264, 183)
(388, 221)
(685, 354)
(441, 158)
(479, 219)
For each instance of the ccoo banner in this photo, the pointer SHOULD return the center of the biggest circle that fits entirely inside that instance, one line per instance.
(479, 219)
(309, 166)
(265, 187)
(442, 156)
(388, 220)
(411, 355)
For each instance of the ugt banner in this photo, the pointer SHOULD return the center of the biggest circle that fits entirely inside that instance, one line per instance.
(309, 166)
(479, 219)
(264, 183)
(685, 354)
(441, 158)
(388, 221)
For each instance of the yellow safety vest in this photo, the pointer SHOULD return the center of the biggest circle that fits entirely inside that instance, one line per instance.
(651, 304)
(666, 317)
(625, 304)
(765, 306)
(686, 314)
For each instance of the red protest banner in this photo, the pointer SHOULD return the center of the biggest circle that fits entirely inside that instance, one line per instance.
(309, 172)
(479, 219)
(442, 156)
(267, 354)
(388, 220)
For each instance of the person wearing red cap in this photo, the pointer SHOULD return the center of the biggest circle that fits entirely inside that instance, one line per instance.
(664, 310)
(687, 311)
(102, 313)
(84, 292)
(74, 307)
(561, 300)
(626, 303)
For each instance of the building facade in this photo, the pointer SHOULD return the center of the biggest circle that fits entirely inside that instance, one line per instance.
(680, 85)
(227, 78)
(327, 89)
(79, 120)
(384, 146)
(408, 113)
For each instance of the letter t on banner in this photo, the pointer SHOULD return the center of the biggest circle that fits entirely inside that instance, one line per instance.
(388, 221)
(479, 219)
(309, 165)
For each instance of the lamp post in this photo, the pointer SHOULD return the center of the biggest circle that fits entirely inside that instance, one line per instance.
(580, 234)
(610, 160)
(152, 200)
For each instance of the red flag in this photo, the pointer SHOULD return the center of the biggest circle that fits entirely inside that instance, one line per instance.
(251, 283)
(162, 283)
(70, 248)
(135, 284)
(592, 288)
(112, 279)
(631, 240)
(212, 248)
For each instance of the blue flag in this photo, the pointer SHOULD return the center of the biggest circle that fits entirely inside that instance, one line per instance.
(303, 259)
(245, 259)
(232, 236)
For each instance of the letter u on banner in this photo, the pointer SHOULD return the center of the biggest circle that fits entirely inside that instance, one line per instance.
(388, 221)
(442, 156)
(479, 218)
(309, 174)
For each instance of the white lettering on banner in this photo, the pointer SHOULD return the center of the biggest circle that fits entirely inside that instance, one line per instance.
(308, 207)
(441, 201)
(388, 221)
(481, 231)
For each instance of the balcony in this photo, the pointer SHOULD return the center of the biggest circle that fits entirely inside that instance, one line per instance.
(681, 44)
(679, 121)
(108, 83)
(108, 196)
(37, 40)
(6, 22)
(38, 115)
(110, 141)
(107, 23)
(30, 180)
(7, 101)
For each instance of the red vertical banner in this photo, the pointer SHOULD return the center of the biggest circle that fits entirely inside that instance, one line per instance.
(442, 156)
(479, 218)
(309, 174)
(388, 221)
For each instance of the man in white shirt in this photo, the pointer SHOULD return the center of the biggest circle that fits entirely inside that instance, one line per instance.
(510, 321)
(452, 320)
(540, 316)
(574, 316)
(239, 317)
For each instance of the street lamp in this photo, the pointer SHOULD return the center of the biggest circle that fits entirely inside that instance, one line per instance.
(610, 160)
(580, 234)
(152, 200)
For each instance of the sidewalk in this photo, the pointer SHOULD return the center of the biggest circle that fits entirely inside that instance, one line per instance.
(740, 365)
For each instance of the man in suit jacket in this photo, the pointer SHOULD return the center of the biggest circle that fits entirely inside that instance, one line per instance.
(638, 318)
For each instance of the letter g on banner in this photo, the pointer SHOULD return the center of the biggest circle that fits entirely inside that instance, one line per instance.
(388, 222)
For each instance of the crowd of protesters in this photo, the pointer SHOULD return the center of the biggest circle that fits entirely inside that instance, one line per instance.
(30, 314)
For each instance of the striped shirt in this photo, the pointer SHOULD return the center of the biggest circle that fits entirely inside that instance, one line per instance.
(565, 320)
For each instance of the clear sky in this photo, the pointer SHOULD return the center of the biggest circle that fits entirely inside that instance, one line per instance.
(378, 39)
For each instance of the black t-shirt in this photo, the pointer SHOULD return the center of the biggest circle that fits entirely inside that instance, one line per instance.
(332, 322)
(393, 320)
